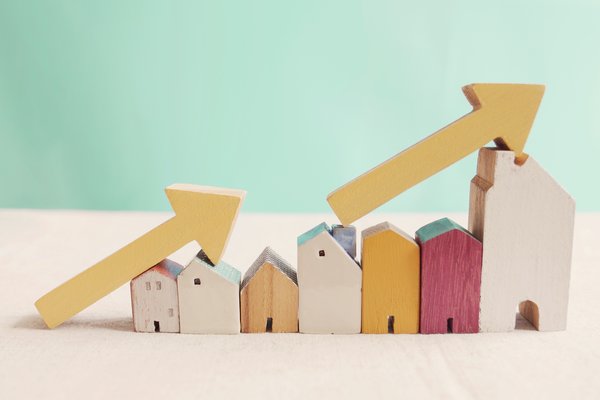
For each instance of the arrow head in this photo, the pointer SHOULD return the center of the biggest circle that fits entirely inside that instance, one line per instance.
(207, 214)
(511, 108)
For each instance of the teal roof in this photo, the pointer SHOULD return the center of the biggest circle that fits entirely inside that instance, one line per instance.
(437, 228)
(305, 237)
(225, 270)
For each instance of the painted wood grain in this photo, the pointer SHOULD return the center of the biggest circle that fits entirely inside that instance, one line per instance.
(154, 302)
(329, 283)
(346, 237)
(391, 280)
(209, 297)
(205, 214)
(269, 295)
(450, 278)
(525, 221)
(501, 112)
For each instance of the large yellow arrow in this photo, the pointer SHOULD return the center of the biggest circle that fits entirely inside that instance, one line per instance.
(501, 112)
(204, 214)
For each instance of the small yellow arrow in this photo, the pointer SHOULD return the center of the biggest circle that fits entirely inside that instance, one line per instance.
(204, 214)
(501, 112)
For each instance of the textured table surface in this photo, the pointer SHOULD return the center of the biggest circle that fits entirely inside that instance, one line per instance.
(97, 355)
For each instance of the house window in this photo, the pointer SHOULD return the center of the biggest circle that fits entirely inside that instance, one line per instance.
(158, 285)
(170, 312)
(197, 281)
(148, 287)
(321, 253)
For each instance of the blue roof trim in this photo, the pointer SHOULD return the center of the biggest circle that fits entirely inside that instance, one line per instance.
(437, 228)
(173, 268)
(225, 270)
(305, 237)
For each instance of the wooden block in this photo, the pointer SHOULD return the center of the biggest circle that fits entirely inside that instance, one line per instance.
(346, 237)
(501, 112)
(450, 278)
(525, 221)
(391, 270)
(269, 295)
(154, 301)
(204, 214)
(329, 282)
(209, 297)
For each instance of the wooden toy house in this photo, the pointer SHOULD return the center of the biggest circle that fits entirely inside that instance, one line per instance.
(329, 283)
(204, 214)
(450, 278)
(346, 237)
(525, 221)
(391, 286)
(209, 297)
(154, 302)
(269, 295)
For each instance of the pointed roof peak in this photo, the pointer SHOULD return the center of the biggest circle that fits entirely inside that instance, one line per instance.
(306, 236)
(223, 269)
(385, 226)
(166, 267)
(270, 256)
(437, 228)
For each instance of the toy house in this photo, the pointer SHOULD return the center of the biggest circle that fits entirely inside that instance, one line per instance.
(204, 214)
(329, 283)
(209, 297)
(525, 221)
(154, 302)
(269, 295)
(450, 278)
(391, 280)
(346, 237)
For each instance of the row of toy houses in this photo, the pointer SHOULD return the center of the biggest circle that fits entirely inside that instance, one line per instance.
(430, 284)
(445, 279)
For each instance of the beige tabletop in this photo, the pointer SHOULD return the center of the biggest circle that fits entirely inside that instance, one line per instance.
(97, 355)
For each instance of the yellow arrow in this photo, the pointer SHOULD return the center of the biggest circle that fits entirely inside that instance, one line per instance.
(204, 214)
(501, 112)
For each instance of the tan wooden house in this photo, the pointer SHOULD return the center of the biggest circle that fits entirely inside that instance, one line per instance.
(269, 295)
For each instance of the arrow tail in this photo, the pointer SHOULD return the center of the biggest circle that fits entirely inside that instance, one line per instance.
(406, 169)
(89, 286)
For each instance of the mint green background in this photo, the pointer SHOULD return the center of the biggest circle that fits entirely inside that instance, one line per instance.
(104, 103)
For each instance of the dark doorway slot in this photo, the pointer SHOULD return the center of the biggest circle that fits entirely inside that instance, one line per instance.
(269, 324)
(450, 325)
(390, 324)
(197, 281)
(156, 326)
